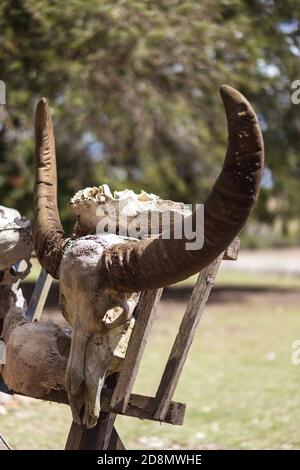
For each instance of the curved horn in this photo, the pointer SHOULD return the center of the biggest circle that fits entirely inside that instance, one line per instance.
(158, 262)
(49, 237)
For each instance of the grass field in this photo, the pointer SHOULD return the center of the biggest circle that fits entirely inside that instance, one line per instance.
(242, 279)
(225, 278)
(240, 386)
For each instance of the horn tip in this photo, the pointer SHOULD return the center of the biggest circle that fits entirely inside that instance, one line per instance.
(226, 89)
(231, 96)
(42, 109)
(42, 104)
(42, 116)
(235, 104)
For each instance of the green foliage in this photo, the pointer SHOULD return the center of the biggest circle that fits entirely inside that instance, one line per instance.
(134, 91)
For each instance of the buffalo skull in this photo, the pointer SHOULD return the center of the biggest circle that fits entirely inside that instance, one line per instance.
(100, 276)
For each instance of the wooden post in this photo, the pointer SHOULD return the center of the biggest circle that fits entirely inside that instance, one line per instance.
(144, 314)
(187, 332)
(96, 438)
(184, 339)
(115, 442)
(101, 437)
(39, 296)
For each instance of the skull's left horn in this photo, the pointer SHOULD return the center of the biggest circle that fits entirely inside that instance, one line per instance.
(49, 236)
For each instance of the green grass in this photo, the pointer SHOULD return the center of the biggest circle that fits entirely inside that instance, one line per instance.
(240, 386)
(35, 271)
(228, 278)
(225, 278)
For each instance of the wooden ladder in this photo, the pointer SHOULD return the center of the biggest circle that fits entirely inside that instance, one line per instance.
(117, 397)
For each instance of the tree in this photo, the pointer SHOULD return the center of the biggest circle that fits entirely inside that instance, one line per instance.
(134, 91)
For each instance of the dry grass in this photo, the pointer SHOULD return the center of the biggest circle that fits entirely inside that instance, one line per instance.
(239, 383)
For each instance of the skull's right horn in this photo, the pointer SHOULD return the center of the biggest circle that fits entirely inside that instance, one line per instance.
(154, 263)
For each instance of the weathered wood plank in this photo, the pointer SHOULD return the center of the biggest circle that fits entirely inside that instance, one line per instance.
(80, 438)
(184, 339)
(98, 437)
(74, 437)
(232, 251)
(144, 314)
(39, 296)
(139, 406)
(115, 442)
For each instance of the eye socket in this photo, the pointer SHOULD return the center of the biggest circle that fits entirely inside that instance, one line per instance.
(107, 306)
(115, 317)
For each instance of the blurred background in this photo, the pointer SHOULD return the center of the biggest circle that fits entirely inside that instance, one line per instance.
(133, 87)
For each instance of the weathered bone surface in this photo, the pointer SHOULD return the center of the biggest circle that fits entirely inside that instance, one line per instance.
(124, 212)
(15, 244)
(100, 274)
(36, 354)
(99, 319)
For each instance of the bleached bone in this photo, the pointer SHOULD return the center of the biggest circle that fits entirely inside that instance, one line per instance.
(15, 245)
(36, 356)
(96, 208)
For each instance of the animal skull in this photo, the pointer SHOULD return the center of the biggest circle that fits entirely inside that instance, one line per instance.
(101, 275)
(36, 352)
(100, 317)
